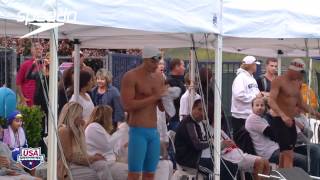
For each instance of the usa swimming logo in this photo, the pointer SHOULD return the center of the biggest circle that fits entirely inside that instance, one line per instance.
(30, 158)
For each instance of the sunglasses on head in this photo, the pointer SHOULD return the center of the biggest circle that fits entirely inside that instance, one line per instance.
(18, 116)
(156, 58)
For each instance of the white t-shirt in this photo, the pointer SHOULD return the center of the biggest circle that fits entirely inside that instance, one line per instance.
(162, 126)
(87, 106)
(263, 146)
(185, 104)
(121, 146)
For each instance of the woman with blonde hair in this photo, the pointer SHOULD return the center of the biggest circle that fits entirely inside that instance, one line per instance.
(71, 135)
(100, 141)
(106, 94)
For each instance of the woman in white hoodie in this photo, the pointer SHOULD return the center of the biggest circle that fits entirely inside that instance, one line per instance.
(244, 90)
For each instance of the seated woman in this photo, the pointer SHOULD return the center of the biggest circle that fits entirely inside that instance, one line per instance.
(9, 170)
(100, 141)
(74, 149)
(14, 136)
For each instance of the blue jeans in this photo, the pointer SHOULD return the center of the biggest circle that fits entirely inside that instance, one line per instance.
(299, 160)
(314, 157)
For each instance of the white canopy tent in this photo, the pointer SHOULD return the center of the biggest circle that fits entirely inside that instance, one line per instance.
(253, 27)
(168, 25)
(291, 47)
(273, 28)
(118, 38)
(154, 16)
(108, 37)
(271, 19)
(263, 27)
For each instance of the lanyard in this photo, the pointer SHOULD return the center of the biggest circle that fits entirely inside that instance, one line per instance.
(17, 139)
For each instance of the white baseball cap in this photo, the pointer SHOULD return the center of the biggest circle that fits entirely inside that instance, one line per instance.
(250, 60)
(297, 65)
(151, 52)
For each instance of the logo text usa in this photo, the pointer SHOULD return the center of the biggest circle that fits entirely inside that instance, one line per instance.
(31, 152)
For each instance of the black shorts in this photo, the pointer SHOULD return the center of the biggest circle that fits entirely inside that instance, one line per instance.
(286, 136)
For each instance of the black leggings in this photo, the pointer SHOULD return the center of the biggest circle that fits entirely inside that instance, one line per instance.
(237, 124)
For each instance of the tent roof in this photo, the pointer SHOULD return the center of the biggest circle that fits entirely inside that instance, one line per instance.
(292, 47)
(249, 27)
(109, 37)
(264, 27)
(271, 18)
(173, 16)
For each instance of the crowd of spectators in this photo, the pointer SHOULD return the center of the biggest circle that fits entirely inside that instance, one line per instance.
(65, 47)
(95, 122)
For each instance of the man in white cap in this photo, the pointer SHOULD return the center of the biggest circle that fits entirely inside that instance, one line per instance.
(284, 99)
(141, 92)
(244, 90)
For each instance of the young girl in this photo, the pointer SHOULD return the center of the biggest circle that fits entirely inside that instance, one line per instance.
(14, 136)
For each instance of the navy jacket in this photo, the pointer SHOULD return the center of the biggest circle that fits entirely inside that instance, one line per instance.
(112, 98)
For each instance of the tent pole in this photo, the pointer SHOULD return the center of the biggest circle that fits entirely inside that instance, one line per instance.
(308, 97)
(217, 107)
(218, 93)
(192, 76)
(53, 100)
(76, 63)
(279, 64)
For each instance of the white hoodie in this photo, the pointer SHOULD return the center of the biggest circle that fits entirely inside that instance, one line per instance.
(244, 90)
